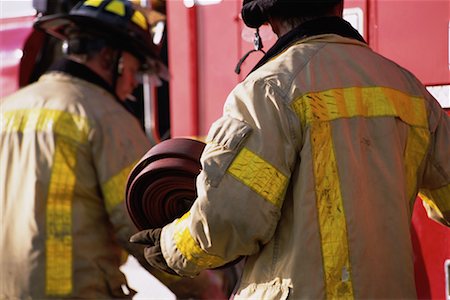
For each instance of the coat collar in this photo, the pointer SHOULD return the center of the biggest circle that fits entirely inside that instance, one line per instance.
(325, 25)
(81, 71)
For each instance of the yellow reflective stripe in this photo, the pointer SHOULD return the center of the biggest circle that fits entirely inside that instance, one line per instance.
(416, 148)
(333, 229)
(260, 176)
(190, 249)
(317, 109)
(71, 130)
(439, 199)
(365, 102)
(69, 125)
(93, 3)
(116, 7)
(114, 188)
(58, 273)
(139, 19)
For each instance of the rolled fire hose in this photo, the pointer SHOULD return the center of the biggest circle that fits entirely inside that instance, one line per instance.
(161, 187)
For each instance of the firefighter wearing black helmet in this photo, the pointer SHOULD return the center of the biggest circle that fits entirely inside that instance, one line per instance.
(313, 169)
(67, 146)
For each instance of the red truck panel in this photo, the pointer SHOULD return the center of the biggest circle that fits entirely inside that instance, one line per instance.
(414, 34)
(13, 33)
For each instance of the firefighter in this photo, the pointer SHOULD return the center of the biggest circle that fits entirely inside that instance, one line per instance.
(67, 146)
(312, 172)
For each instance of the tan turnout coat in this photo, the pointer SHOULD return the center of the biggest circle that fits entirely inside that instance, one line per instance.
(312, 173)
(67, 147)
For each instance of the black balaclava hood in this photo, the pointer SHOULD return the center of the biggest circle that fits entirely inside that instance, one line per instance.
(256, 12)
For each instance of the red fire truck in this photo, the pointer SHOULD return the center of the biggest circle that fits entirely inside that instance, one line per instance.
(202, 42)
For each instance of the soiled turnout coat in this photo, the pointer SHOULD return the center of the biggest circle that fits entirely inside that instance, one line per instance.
(312, 173)
(67, 146)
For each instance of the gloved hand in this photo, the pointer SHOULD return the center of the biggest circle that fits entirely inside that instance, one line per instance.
(152, 253)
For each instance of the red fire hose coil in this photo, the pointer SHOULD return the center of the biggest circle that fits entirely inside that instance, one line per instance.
(161, 187)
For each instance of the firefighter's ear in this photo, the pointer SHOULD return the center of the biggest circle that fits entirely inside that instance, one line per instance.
(107, 57)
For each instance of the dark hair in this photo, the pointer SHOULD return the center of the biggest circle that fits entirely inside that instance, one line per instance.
(79, 43)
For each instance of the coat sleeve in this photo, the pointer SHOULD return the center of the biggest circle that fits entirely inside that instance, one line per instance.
(247, 164)
(435, 189)
(118, 144)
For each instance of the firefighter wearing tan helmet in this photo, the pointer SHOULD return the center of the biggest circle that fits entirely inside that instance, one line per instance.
(67, 146)
(313, 169)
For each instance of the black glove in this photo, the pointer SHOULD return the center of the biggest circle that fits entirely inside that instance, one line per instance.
(152, 253)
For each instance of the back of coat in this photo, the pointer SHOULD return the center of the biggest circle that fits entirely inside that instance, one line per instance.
(360, 137)
(312, 173)
(67, 147)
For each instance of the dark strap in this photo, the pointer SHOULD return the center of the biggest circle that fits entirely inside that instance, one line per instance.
(257, 46)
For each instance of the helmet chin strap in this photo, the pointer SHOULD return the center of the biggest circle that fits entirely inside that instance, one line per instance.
(257, 45)
(117, 70)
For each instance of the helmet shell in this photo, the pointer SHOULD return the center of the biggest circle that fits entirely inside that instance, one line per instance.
(119, 22)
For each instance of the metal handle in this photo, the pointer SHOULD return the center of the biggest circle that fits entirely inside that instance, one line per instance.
(150, 111)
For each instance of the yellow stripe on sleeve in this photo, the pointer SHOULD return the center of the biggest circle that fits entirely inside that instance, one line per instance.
(114, 188)
(260, 176)
(189, 247)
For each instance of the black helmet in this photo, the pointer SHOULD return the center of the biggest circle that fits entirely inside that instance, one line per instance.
(118, 22)
(256, 12)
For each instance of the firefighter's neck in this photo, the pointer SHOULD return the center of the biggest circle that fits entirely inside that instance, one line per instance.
(101, 63)
(282, 26)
